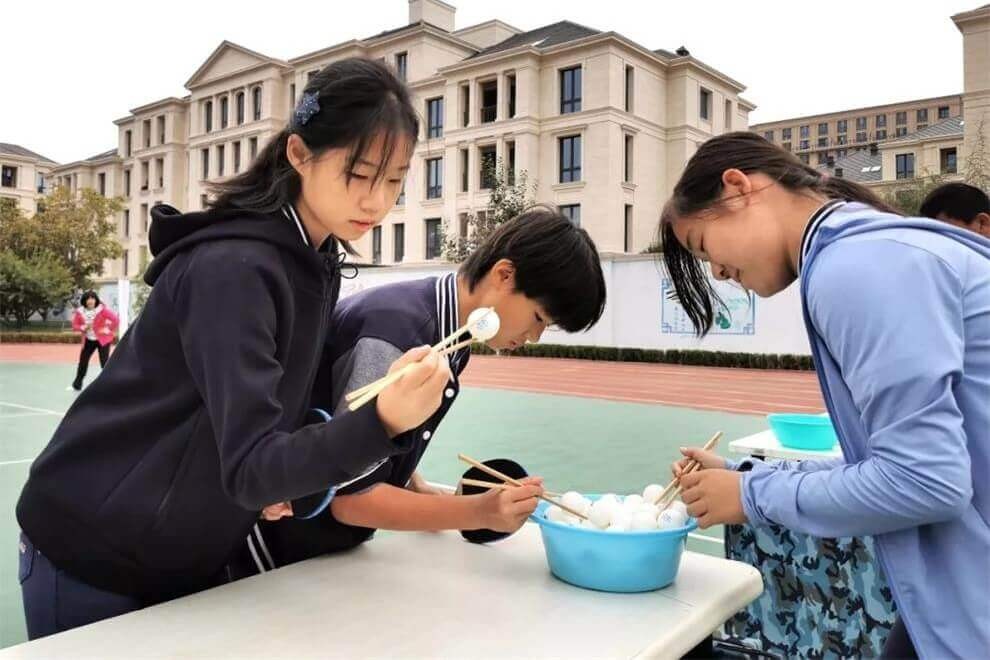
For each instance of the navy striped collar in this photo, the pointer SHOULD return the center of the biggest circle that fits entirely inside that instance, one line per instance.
(446, 291)
(814, 222)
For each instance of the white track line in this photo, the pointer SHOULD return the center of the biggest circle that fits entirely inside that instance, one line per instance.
(44, 411)
(25, 414)
(26, 460)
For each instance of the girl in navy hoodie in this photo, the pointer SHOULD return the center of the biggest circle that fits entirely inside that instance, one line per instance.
(161, 467)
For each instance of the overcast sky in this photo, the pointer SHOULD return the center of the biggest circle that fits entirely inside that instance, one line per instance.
(73, 67)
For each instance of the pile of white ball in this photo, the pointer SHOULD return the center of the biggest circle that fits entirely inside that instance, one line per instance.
(632, 513)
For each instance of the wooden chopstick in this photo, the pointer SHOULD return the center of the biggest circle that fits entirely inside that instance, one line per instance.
(675, 484)
(439, 346)
(509, 480)
(492, 484)
(382, 383)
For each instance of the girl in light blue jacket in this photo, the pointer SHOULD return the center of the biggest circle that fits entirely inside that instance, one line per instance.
(897, 312)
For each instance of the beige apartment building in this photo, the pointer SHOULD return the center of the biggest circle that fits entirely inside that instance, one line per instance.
(23, 176)
(932, 151)
(816, 138)
(935, 149)
(601, 125)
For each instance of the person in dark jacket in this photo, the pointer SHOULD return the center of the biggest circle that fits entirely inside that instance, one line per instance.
(161, 467)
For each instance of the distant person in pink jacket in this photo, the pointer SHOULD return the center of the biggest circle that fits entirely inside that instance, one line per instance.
(97, 324)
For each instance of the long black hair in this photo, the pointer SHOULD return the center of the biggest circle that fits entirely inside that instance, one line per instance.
(348, 104)
(699, 189)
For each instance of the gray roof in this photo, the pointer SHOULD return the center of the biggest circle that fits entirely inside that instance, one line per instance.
(17, 150)
(410, 27)
(853, 164)
(680, 52)
(544, 37)
(951, 127)
(105, 154)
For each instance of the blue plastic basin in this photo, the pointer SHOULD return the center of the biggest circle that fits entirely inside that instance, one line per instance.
(622, 562)
(796, 431)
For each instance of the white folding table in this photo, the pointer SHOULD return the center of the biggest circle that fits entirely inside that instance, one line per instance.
(766, 445)
(421, 595)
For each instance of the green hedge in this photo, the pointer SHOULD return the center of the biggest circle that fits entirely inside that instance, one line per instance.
(603, 353)
(37, 326)
(39, 337)
(695, 358)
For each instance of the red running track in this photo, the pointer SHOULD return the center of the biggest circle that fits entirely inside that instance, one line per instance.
(748, 391)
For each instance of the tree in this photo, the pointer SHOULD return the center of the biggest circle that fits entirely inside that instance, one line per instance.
(509, 197)
(77, 230)
(977, 170)
(908, 197)
(32, 285)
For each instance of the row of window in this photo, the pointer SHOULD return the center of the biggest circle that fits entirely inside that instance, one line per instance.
(239, 109)
(8, 174)
(8, 178)
(488, 111)
(434, 233)
(147, 134)
(208, 119)
(880, 122)
(220, 160)
(904, 163)
(571, 91)
(125, 223)
(569, 170)
(145, 171)
(486, 179)
(862, 137)
(705, 111)
(71, 181)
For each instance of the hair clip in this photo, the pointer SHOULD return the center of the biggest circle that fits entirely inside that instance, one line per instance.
(308, 107)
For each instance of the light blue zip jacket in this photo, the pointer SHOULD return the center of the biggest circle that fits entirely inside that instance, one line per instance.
(898, 316)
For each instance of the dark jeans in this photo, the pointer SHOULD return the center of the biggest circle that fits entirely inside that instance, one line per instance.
(899, 645)
(85, 354)
(55, 601)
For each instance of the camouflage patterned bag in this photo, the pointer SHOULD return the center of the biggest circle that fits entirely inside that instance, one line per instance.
(822, 597)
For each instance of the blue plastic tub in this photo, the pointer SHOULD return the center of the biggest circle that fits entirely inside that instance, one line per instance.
(623, 562)
(795, 431)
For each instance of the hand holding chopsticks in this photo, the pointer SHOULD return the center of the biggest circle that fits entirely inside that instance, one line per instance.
(412, 400)
(514, 482)
(673, 489)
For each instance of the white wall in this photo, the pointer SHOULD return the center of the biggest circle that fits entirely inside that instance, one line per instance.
(634, 311)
